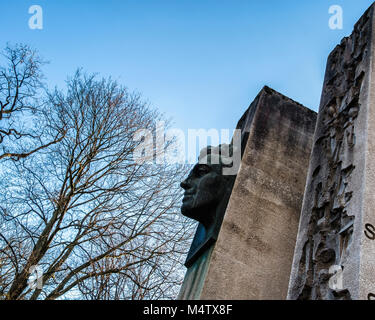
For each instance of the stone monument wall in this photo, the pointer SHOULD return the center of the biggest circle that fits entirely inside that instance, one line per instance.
(335, 252)
(253, 254)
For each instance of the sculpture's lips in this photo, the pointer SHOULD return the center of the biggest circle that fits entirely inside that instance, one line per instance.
(187, 195)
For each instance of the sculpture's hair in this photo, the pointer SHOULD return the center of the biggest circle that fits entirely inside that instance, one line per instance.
(222, 154)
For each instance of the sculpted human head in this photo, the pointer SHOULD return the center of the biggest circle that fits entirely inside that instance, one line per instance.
(205, 186)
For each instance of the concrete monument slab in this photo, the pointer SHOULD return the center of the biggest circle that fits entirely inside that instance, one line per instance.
(335, 252)
(252, 255)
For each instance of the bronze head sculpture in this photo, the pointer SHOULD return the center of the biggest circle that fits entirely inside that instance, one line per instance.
(207, 191)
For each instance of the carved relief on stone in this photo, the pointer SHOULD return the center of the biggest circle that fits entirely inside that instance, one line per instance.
(330, 227)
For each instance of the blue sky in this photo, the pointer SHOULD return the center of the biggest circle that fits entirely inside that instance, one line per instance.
(201, 62)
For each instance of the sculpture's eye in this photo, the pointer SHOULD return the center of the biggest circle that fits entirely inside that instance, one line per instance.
(203, 170)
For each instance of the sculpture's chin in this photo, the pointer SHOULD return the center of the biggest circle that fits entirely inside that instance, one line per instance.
(188, 212)
(185, 210)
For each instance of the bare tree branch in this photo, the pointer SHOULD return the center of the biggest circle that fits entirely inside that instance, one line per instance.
(100, 224)
(20, 85)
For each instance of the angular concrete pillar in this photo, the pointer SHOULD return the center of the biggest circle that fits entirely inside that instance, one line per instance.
(335, 251)
(253, 254)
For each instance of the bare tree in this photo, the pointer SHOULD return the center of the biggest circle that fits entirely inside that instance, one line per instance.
(20, 108)
(98, 223)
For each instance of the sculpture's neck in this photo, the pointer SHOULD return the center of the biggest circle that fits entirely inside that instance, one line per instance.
(208, 218)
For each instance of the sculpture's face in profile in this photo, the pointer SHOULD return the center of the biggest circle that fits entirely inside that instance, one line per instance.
(204, 189)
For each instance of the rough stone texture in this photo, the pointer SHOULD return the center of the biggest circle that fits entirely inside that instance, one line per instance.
(253, 254)
(335, 252)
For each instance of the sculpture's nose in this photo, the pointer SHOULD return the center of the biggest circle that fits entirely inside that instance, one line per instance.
(184, 185)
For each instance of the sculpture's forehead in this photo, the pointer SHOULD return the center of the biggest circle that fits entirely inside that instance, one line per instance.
(217, 168)
(210, 160)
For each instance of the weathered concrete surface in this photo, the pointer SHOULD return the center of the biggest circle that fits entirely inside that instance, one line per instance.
(197, 270)
(335, 252)
(253, 255)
